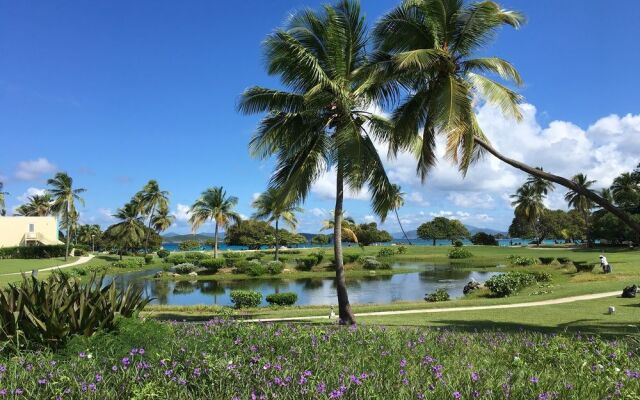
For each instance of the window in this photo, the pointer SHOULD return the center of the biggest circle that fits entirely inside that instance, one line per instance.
(32, 228)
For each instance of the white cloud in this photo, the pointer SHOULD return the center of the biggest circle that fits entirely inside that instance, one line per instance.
(417, 198)
(319, 212)
(32, 191)
(34, 169)
(181, 213)
(255, 196)
(471, 199)
(369, 218)
(325, 187)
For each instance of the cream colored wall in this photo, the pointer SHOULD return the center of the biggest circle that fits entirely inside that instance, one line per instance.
(14, 229)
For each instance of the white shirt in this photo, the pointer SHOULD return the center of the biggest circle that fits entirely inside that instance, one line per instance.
(603, 261)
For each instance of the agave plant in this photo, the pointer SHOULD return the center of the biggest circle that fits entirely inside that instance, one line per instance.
(49, 311)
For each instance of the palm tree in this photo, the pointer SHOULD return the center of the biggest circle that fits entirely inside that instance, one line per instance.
(428, 50)
(323, 119)
(397, 202)
(152, 199)
(626, 191)
(87, 234)
(528, 205)
(3, 195)
(605, 193)
(129, 232)
(36, 206)
(541, 185)
(268, 207)
(214, 205)
(580, 202)
(162, 220)
(348, 230)
(64, 197)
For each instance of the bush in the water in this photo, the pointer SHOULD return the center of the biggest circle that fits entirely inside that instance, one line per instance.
(507, 284)
(275, 267)
(282, 299)
(439, 295)
(212, 264)
(245, 298)
(185, 268)
(459, 252)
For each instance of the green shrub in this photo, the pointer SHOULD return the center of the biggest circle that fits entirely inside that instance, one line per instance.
(484, 239)
(284, 259)
(31, 252)
(459, 252)
(401, 249)
(509, 283)
(319, 255)
(232, 259)
(350, 258)
(47, 312)
(458, 243)
(245, 298)
(564, 260)
(275, 267)
(546, 260)
(583, 266)
(243, 266)
(370, 263)
(256, 269)
(439, 295)
(129, 263)
(232, 254)
(541, 276)
(386, 252)
(176, 258)
(306, 263)
(148, 259)
(184, 268)
(212, 264)
(79, 252)
(255, 256)
(163, 253)
(521, 261)
(282, 299)
(195, 256)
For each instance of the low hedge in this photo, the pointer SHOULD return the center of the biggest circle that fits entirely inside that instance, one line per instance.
(583, 266)
(282, 299)
(256, 269)
(507, 284)
(564, 260)
(459, 252)
(244, 266)
(521, 261)
(129, 263)
(306, 263)
(148, 259)
(371, 263)
(275, 267)
(163, 253)
(32, 252)
(439, 295)
(245, 298)
(184, 268)
(386, 252)
(546, 260)
(212, 264)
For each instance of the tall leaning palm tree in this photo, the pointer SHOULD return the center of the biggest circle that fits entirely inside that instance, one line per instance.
(580, 202)
(3, 195)
(129, 232)
(323, 120)
(152, 199)
(64, 197)
(428, 60)
(528, 205)
(397, 202)
(269, 207)
(216, 206)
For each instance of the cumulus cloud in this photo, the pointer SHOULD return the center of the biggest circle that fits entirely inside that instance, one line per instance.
(325, 187)
(471, 199)
(319, 212)
(418, 199)
(34, 169)
(181, 213)
(32, 191)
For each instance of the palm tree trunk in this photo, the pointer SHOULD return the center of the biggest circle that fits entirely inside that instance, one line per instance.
(623, 216)
(344, 308)
(146, 242)
(401, 228)
(277, 240)
(66, 254)
(586, 228)
(215, 242)
(434, 242)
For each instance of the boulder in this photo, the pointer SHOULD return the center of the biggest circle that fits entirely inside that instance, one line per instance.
(630, 292)
(193, 273)
(471, 286)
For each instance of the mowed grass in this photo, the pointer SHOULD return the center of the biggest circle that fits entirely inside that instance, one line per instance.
(9, 266)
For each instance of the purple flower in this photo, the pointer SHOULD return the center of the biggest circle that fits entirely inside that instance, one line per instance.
(321, 388)
(534, 380)
(42, 381)
(475, 376)
(457, 395)
(125, 361)
(98, 378)
(403, 363)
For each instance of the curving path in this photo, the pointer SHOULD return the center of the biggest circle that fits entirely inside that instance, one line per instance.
(79, 261)
(561, 300)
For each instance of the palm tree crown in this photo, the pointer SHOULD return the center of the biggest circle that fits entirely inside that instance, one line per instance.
(269, 207)
(214, 205)
(429, 46)
(150, 200)
(64, 197)
(36, 205)
(129, 232)
(626, 191)
(528, 203)
(577, 200)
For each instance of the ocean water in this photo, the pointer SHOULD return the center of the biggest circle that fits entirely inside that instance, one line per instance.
(415, 242)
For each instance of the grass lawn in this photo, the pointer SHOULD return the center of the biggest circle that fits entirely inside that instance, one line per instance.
(22, 265)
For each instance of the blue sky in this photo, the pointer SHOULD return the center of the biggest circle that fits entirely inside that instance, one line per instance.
(116, 93)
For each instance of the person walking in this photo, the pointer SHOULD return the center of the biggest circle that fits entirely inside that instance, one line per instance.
(606, 268)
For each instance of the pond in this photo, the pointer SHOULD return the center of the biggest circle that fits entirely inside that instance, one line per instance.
(377, 289)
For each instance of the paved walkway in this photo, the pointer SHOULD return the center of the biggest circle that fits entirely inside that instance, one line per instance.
(562, 300)
(79, 261)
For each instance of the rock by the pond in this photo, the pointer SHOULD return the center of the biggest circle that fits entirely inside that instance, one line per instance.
(471, 286)
(286, 270)
(193, 273)
(630, 292)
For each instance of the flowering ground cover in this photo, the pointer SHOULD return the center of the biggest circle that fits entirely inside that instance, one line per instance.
(231, 360)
